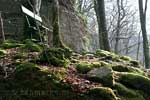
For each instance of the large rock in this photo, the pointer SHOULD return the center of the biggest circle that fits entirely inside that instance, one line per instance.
(72, 27)
(103, 75)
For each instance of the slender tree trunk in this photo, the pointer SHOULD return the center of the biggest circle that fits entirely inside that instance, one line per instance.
(103, 34)
(118, 28)
(138, 47)
(56, 34)
(144, 33)
(1, 27)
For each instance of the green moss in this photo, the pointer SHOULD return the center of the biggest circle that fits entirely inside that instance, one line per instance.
(126, 92)
(102, 93)
(135, 81)
(103, 75)
(107, 55)
(19, 56)
(30, 40)
(134, 63)
(2, 52)
(96, 64)
(104, 64)
(124, 68)
(126, 58)
(31, 47)
(102, 53)
(106, 80)
(7, 45)
(55, 56)
(33, 81)
(26, 66)
(83, 67)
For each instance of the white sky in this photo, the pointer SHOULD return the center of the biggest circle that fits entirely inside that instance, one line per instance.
(135, 6)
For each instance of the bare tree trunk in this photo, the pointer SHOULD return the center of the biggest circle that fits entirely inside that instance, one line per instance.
(55, 23)
(1, 27)
(144, 33)
(138, 48)
(118, 28)
(103, 34)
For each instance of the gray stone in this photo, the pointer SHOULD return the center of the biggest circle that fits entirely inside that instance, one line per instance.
(103, 75)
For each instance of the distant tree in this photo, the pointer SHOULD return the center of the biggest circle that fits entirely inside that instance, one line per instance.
(103, 34)
(121, 25)
(142, 12)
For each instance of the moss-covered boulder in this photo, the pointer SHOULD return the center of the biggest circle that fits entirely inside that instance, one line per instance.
(102, 93)
(106, 55)
(127, 93)
(83, 67)
(135, 81)
(103, 75)
(125, 68)
(55, 56)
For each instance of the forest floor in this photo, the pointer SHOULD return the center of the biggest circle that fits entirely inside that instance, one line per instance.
(102, 75)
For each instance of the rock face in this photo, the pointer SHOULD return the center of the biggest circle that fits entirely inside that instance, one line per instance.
(73, 30)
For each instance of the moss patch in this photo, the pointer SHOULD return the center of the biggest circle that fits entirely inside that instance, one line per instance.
(30, 46)
(55, 56)
(125, 68)
(2, 52)
(126, 58)
(19, 56)
(103, 75)
(83, 67)
(102, 93)
(9, 45)
(107, 55)
(126, 93)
